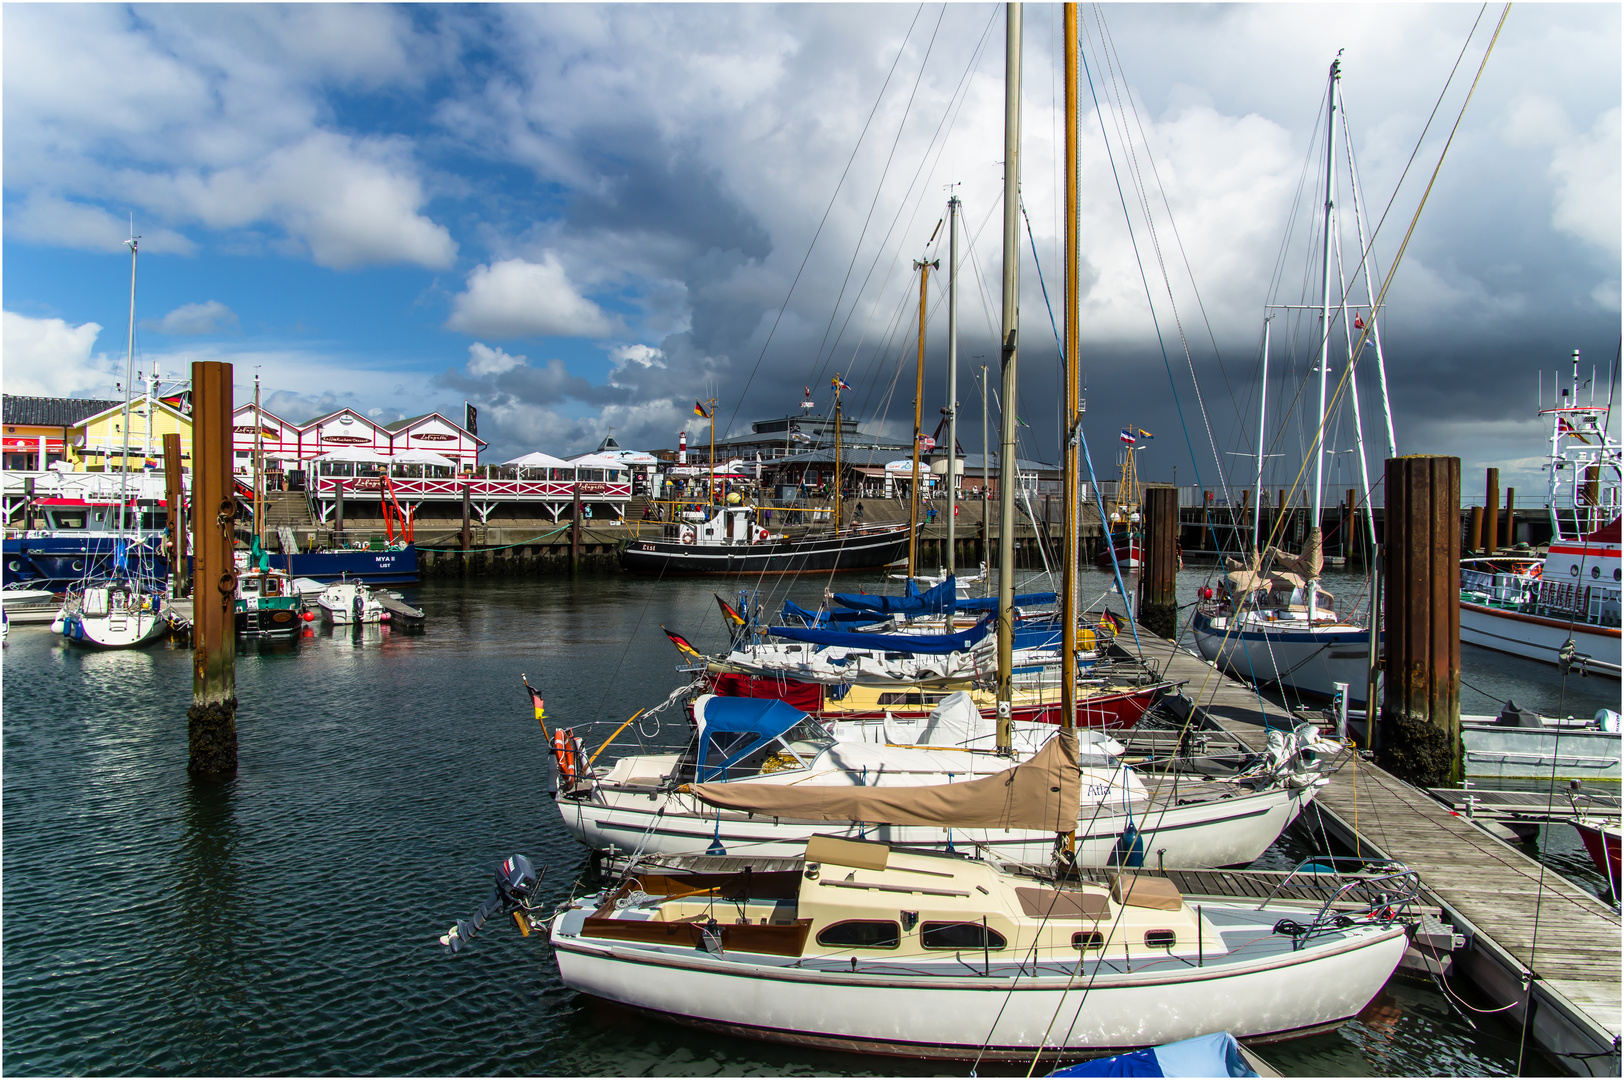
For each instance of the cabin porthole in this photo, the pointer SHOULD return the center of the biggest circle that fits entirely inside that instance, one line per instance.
(1595, 571)
(1161, 939)
(78, 565)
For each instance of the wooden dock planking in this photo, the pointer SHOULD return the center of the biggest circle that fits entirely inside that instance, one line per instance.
(1544, 924)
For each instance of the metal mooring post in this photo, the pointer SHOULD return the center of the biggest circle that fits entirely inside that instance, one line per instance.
(211, 722)
(1420, 718)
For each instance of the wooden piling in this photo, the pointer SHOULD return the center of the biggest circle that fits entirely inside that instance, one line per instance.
(1491, 513)
(1474, 530)
(1158, 602)
(211, 728)
(338, 510)
(575, 534)
(1511, 517)
(175, 503)
(1419, 734)
(467, 524)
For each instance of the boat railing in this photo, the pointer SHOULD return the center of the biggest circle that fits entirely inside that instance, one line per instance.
(1351, 890)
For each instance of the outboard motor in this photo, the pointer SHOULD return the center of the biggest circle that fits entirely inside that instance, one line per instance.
(1511, 716)
(517, 884)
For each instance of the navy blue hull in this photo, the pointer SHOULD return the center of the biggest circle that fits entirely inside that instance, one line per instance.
(63, 560)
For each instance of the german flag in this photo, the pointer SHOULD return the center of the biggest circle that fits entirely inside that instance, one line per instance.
(699, 411)
(735, 621)
(536, 703)
(682, 645)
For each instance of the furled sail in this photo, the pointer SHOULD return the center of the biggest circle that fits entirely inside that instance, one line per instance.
(1039, 794)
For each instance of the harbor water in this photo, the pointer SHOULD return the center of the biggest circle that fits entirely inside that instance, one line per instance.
(287, 921)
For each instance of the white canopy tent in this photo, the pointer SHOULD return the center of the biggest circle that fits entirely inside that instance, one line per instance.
(538, 460)
(423, 457)
(356, 455)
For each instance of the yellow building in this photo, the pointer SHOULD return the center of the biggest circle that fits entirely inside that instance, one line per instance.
(96, 443)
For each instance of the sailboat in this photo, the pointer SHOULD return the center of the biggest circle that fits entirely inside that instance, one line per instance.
(122, 607)
(1270, 621)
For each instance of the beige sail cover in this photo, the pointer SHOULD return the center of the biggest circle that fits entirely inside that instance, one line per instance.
(1041, 793)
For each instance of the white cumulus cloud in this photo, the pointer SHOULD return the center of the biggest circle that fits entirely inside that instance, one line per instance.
(484, 360)
(1586, 171)
(209, 317)
(517, 298)
(49, 358)
(641, 355)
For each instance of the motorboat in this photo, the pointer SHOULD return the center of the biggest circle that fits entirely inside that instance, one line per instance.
(765, 751)
(1601, 840)
(347, 603)
(1518, 744)
(860, 946)
(30, 605)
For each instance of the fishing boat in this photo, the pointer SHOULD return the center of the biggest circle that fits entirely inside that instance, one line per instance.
(859, 945)
(267, 602)
(1123, 544)
(730, 540)
(1269, 621)
(1562, 608)
(785, 772)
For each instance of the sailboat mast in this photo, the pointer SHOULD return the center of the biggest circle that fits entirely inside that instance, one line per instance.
(837, 452)
(1364, 264)
(259, 463)
(919, 405)
(1009, 329)
(1325, 326)
(952, 378)
(129, 378)
(985, 479)
(1068, 441)
(1262, 407)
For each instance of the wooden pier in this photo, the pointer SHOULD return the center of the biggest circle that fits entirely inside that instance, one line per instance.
(1533, 940)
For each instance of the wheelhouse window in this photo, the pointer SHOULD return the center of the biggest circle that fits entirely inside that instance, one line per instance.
(959, 935)
(861, 934)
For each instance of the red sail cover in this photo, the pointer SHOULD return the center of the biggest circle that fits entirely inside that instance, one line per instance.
(808, 697)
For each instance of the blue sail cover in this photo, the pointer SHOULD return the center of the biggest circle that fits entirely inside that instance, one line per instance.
(792, 610)
(1217, 1054)
(990, 603)
(732, 728)
(930, 602)
(931, 644)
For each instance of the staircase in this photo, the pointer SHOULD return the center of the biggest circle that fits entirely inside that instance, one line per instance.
(287, 508)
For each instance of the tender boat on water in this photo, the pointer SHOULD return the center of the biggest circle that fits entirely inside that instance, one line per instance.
(729, 540)
(347, 603)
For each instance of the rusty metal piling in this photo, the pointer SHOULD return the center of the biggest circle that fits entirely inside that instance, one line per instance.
(1158, 601)
(211, 722)
(1419, 734)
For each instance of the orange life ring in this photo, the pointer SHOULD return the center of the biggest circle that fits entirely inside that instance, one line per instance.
(689, 535)
(564, 751)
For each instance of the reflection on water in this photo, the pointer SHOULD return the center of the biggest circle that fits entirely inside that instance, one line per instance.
(286, 922)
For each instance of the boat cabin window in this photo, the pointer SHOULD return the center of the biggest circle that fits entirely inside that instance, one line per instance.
(914, 697)
(1161, 939)
(1087, 939)
(65, 519)
(861, 934)
(959, 935)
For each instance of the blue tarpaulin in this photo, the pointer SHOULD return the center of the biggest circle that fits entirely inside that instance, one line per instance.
(792, 610)
(905, 643)
(932, 601)
(1217, 1054)
(990, 603)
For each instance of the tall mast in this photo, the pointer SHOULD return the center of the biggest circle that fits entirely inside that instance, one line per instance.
(1325, 330)
(952, 377)
(134, 242)
(923, 267)
(1068, 434)
(1008, 333)
(712, 404)
(837, 451)
(1262, 407)
(1364, 264)
(259, 463)
(985, 478)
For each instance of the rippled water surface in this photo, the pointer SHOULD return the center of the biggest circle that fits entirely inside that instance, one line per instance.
(286, 921)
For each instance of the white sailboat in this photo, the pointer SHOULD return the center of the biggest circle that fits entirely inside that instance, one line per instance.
(121, 608)
(1271, 622)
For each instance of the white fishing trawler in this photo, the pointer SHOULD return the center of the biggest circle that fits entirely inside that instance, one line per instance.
(1563, 608)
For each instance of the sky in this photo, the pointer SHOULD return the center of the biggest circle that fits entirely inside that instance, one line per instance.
(582, 218)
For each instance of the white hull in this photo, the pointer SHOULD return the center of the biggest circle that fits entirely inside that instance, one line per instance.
(1536, 637)
(1308, 661)
(957, 1017)
(1223, 832)
(114, 631)
(1549, 753)
(347, 603)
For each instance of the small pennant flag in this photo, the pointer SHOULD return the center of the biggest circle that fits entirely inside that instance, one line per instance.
(839, 384)
(1147, 436)
(1021, 422)
(1358, 321)
(1128, 437)
(699, 410)
(682, 645)
(1110, 619)
(806, 391)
